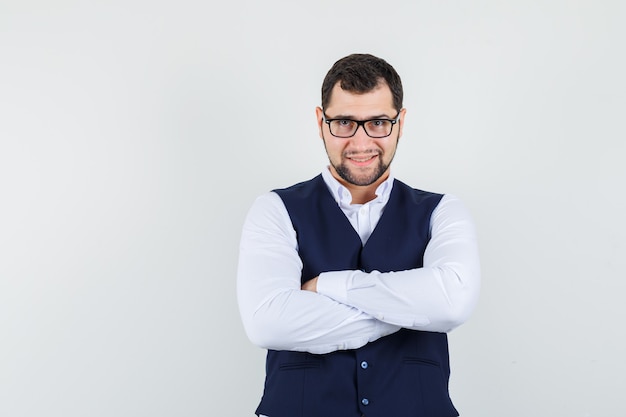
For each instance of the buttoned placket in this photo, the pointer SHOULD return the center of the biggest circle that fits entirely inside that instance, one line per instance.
(364, 382)
(364, 222)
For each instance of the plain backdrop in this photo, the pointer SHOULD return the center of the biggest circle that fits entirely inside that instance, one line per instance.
(134, 135)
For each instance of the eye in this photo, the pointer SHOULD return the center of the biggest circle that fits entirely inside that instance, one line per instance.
(344, 122)
(378, 124)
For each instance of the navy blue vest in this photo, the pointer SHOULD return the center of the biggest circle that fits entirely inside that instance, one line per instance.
(401, 375)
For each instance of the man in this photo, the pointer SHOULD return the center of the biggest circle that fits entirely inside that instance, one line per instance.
(352, 279)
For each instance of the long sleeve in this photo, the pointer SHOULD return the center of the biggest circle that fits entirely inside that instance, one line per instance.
(437, 297)
(275, 312)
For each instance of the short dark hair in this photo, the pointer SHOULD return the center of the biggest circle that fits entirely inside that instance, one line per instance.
(361, 73)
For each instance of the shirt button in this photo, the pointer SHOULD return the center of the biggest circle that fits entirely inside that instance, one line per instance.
(365, 401)
(364, 365)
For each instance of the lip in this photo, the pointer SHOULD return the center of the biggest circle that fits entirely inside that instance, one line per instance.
(362, 160)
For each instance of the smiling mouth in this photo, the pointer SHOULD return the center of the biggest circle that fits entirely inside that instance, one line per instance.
(362, 159)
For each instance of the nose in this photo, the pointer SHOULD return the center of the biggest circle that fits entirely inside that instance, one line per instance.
(361, 138)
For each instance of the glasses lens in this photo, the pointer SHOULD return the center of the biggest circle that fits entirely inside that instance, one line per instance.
(343, 128)
(378, 128)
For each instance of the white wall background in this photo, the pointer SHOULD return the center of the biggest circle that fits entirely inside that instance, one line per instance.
(135, 134)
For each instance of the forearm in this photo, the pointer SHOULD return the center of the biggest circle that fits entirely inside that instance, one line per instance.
(430, 299)
(276, 312)
(304, 321)
(437, 297)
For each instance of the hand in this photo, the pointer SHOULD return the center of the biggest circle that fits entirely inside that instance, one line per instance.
(310, 285)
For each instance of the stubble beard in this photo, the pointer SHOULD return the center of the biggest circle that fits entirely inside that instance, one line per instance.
(354, 178)
(350, 177)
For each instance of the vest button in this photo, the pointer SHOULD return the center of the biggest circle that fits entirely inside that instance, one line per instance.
(365, 401)
(364, 365)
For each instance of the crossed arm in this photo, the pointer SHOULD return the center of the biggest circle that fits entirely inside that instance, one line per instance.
(347, 309)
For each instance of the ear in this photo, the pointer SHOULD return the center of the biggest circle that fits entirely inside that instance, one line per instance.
(320, 121)
(401, 122)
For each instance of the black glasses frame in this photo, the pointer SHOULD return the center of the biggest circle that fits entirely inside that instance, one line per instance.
(360, 123)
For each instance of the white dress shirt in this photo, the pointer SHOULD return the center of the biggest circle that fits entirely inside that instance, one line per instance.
(352, 308)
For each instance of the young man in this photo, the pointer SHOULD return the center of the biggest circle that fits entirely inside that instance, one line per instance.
(352, 279)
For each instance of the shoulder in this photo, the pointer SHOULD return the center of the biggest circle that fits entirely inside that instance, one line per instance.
(415, 194)
(301, 189)
(445, 205)
(267, 218)
(266, 207)
(451, 202)
(452, 211)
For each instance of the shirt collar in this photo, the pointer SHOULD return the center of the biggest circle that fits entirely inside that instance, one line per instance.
(342, 195)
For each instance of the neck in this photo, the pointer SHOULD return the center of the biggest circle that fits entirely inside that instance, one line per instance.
(362, 194)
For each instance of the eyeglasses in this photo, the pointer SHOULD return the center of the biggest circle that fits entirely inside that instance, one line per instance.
(374, 128)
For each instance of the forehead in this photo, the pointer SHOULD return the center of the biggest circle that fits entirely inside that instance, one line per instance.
(376, 102)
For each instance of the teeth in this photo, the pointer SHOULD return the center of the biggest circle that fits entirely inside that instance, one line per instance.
(362, 159)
